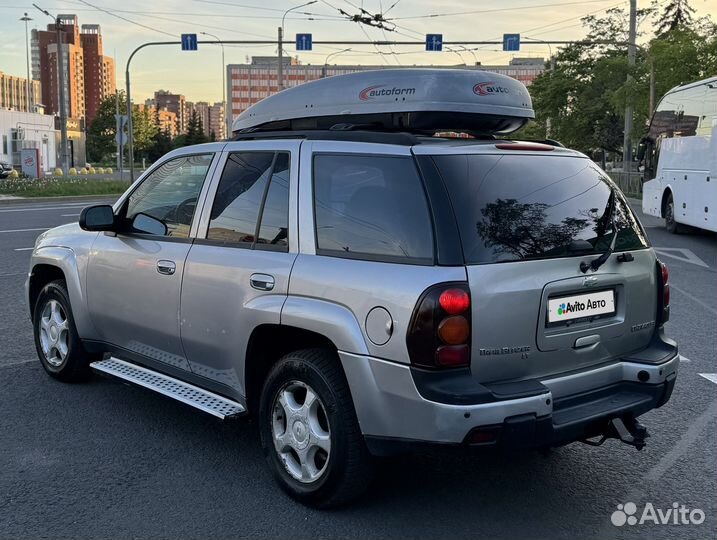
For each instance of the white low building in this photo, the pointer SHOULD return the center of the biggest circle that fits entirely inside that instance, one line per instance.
(20, 130)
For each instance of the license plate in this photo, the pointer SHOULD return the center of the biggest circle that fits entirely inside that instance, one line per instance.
(578, 306)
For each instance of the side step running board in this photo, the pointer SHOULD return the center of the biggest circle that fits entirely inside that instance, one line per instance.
(198, 398)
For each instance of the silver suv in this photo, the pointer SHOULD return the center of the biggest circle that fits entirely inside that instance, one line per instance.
(364, 294)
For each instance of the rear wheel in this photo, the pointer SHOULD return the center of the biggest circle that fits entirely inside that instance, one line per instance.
(58, 345)
(309, 431)
(670, 224)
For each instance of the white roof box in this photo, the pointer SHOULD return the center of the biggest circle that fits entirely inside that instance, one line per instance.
(416, 100)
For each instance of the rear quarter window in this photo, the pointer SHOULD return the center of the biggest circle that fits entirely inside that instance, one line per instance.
(371, 207)
(524, 207)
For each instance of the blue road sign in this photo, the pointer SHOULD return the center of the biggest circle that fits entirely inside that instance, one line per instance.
(303, 42)
(189, 42)
(434, 42)
(511, 42)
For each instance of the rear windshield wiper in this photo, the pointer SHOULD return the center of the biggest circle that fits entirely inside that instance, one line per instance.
(597, 263)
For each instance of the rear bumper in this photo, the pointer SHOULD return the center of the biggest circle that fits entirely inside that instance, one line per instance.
(398, 410)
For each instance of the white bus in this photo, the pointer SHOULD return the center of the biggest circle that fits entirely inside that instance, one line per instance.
(680, 158)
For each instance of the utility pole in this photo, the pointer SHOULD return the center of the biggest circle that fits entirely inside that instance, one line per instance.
(280, 68)
(652, 86)
(61, 89)
(627, 136)
(28, 96)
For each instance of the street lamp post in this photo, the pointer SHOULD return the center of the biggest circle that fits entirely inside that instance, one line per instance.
(61, 89)
(280, 70)
(326, 61)
(224, 85)
(28, 96)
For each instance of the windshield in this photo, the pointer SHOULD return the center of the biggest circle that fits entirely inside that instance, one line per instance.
(523, 207)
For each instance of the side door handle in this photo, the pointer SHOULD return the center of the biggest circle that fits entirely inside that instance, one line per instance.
(262, 282)
(166, 267)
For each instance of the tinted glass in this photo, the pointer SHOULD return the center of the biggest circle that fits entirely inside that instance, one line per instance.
(238, 199)
(685, 113)
(371, 207)
(274, 227)
(512, 207)
(170, 193)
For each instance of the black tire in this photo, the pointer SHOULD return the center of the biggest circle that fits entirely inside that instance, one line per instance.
(349, 467)
(670, 224)
(75, 365)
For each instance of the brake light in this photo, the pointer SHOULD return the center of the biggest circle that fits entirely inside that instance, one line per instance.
(663, 308)
(454, 301)
(439, 332)
(525, 146)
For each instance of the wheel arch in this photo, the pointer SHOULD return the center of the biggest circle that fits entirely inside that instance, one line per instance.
(49, 264)
(267, 344)
(663, 203)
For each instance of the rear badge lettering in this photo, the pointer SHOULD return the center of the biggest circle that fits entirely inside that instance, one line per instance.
(504, 350)
(642, 326)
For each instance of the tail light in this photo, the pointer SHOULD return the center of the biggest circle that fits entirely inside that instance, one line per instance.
(440, 328)
(663, 291)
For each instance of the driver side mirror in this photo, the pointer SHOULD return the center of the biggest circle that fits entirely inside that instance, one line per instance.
(97, 218)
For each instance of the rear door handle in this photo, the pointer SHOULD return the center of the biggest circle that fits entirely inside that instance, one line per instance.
(262, 282)
(166, 267)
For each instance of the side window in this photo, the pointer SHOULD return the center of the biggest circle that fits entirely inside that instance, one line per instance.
(371, 207)
(252, 182)
(170, 193)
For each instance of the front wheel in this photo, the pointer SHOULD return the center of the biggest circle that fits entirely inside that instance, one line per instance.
(309, 430)
(56, 340)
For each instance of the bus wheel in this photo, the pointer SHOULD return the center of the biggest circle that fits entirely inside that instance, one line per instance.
(672, 226)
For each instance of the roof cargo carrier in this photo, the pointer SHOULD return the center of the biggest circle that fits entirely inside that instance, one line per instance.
(407, 100)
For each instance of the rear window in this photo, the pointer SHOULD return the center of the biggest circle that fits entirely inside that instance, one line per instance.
(518, 207)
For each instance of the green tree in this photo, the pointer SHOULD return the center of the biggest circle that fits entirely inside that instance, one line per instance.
(161, 144)
(101, 133)
(195, 130)
(676, 14)
(585, 96)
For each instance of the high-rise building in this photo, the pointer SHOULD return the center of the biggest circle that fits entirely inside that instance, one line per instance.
(248, 84)
(89, 77)
(175, 103)
(99, 70)
(14, 96)
(216, 121)
(202, 108)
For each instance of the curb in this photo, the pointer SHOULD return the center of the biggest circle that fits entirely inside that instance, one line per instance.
(59, 199)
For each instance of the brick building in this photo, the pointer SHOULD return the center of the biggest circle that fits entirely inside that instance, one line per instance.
(14, 95)
(90, 76)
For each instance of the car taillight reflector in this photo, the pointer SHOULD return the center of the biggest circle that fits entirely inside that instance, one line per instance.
(454, 330)
(439, 332)
(453, 355)
(665, 273)
(454, 301)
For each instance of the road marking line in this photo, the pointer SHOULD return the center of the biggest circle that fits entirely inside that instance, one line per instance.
(712, 377)
(13, 274)
(29, 209)
(24, 230)
(686, 440)
(24, 249)
(69, 215)
(19, 363)
(688, 295)
(687, 255)
(684, 359)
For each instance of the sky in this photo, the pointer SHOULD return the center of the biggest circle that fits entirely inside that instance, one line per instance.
(198, 75)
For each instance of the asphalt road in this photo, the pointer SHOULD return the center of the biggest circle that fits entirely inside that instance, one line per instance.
(106, 460)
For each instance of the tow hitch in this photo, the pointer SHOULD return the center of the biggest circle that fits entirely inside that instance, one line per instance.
(629, 431)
